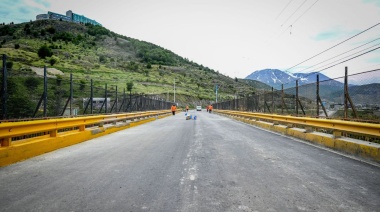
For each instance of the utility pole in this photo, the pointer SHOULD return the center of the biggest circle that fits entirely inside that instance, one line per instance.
(174, 90)
(216, 93)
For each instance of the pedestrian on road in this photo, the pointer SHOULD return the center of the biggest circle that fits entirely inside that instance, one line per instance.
(210, 108)
(174, 108)
(207, 108)
(187, 108)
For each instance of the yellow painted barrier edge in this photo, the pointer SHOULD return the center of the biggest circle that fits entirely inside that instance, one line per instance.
(37, 146)
(359, 148)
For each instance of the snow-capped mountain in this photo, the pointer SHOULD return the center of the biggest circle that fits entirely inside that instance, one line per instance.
(276, 78)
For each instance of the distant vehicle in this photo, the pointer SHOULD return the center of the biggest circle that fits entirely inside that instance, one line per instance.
(199, 108)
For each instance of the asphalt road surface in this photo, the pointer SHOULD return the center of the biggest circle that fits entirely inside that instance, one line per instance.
(173, 164)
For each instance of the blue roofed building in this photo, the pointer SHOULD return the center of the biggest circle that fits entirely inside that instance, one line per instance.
(70, 17)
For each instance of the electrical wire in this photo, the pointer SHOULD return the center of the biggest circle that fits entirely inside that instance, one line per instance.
(294, 12)
(342, 54)
(349, 55)
(333, 47)
(283, 9)
(304, 12)
(349, 59)
(299, 17)
(315, 72)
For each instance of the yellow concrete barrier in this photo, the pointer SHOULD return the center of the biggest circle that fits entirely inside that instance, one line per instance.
(48, 138)
(334, 141)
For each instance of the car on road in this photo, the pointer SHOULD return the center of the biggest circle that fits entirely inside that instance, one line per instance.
(199, 108)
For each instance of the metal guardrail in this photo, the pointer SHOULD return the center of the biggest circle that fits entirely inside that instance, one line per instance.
(11, 130)
(338, 126)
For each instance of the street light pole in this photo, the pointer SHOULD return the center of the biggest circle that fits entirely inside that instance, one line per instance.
(216, 93)
(174, 90)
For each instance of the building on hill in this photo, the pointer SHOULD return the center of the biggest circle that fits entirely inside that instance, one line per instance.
(70, 17)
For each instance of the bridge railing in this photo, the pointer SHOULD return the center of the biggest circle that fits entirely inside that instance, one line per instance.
(351, 97)
(20, 131)
(336, 127)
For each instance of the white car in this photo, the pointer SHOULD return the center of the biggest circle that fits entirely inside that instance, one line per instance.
(199, 108)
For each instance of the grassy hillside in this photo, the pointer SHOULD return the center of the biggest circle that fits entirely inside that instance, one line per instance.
(94, 52)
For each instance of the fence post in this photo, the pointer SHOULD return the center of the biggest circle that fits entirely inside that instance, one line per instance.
(347, 97)
(317, 95)
(4, 89)
(45, 91)
(91, 98)
(106, 102)
(282, 99)
(297, 97)
(71, 94)
(345, 93)
(272, 101)
(116, 99)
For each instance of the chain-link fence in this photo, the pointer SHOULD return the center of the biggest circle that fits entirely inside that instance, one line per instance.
(354, 97)
(26, 95)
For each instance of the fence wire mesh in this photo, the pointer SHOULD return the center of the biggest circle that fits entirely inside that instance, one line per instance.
(357, 99)
(24, 96)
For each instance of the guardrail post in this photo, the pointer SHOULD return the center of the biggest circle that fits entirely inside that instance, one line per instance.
(82, 127)
(4, 89)
(6, 141)
(337, 134)
(53, 133)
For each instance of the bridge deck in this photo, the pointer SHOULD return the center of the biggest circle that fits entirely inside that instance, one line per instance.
(209, 164)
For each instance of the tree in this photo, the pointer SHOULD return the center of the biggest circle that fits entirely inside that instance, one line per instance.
(236, 79)
(44, 52)
(129, 86)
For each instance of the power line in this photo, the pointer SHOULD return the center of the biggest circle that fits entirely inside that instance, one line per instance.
(304, 12)
(337, 64)
(344, 53)
(350, 59)
(283, 9)
(350, 55)
(290, 26)
(333, 46)
(294, 12)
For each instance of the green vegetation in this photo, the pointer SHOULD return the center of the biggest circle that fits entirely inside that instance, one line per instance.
(94, 52)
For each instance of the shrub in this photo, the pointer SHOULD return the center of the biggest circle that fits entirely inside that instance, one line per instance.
(52, 61)
(44, 52)
(32, 83)
(9, 65)
(51, 30)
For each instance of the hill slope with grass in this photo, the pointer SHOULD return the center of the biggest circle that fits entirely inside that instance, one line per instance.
(94, 52)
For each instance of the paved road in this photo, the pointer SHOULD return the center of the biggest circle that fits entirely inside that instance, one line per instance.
(209, 164)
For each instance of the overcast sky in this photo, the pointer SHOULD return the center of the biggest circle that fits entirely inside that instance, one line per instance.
(235, 37)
